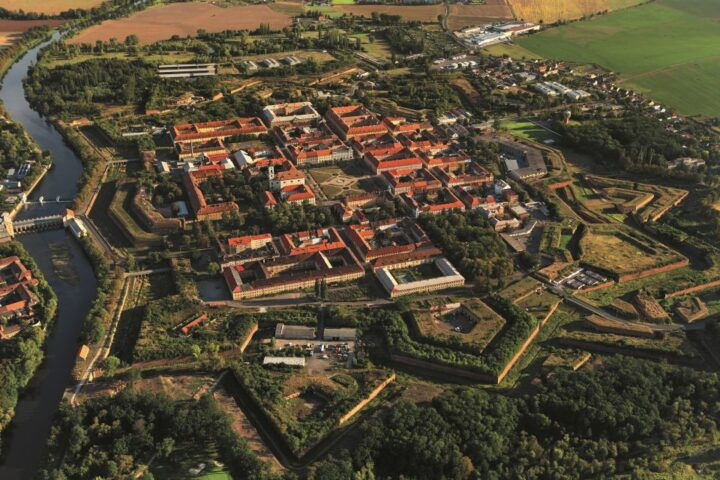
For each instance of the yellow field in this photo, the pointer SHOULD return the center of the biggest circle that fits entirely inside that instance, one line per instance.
(550, 11)
(50, 7)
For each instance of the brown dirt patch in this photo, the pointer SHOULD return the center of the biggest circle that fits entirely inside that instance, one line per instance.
(300, 382)
(420, 13)
(462, 16)
(50, 7)
(421, 392)
(467, 90)
(183, 19)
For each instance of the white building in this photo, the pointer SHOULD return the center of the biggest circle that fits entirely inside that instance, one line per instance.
(289, 361)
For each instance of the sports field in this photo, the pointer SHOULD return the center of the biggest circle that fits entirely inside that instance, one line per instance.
(668, 49)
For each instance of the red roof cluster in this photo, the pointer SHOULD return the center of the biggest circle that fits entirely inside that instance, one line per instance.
(354, 121)
(220, 129)
(201, 208)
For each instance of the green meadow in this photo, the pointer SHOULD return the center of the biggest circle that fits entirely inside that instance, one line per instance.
(667, 49)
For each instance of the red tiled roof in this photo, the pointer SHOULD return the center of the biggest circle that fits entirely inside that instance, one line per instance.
(247, 239)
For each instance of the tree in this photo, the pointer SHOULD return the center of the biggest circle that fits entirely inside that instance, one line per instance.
(111, 364)
(195, 351)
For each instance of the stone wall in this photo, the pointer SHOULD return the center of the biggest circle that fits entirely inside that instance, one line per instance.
(653, 271)
(367, 400)
(696, 288)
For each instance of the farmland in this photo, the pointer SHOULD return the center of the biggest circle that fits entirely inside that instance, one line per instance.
(10, 30)
(667, 49)
(550, 11)
(49, 7)
(183, 19)
(467, 15)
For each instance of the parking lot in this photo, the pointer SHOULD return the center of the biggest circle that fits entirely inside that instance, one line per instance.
(325, 356)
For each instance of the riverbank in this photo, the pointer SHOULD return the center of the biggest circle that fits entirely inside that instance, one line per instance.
(17, 370)
(35, 411)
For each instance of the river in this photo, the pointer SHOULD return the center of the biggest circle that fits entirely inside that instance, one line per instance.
(68, 272)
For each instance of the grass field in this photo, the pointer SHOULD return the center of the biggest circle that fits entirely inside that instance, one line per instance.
(171, 57)
(529, 130)
(668, 49)
(617, 252)
(378, 48)
(421, 13)
(475, 323)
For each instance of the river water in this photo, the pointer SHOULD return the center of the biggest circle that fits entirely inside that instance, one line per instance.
(70, 275)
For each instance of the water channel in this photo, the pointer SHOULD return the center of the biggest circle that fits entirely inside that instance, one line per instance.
(66, 269)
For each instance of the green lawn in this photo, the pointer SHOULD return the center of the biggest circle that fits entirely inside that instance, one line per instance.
(668, 49)
(328, 11)
(529, 130)
(172, 57)
(216, 475)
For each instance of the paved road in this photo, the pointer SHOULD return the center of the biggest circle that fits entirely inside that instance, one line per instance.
(578, 302)
(99, 239)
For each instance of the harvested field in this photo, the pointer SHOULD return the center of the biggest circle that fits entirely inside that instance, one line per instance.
(553, 10)
(49, 7)
(183, 19)
(11, 30)
(421, 13)
(462, 16)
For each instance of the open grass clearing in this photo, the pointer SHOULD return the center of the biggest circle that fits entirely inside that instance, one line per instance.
(376, 47)
(186, 457)
(619, 252)
(674, 343)
(420, 13)
(530, 131)
(171, 57)
(464, 320)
